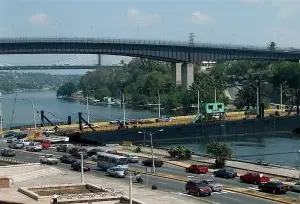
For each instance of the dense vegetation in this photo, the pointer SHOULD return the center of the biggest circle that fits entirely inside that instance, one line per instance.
(141, 80)
(15, 81)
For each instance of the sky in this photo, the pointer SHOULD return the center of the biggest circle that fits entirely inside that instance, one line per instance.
(255, 22)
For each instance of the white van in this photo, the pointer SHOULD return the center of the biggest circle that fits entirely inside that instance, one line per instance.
(25, 142)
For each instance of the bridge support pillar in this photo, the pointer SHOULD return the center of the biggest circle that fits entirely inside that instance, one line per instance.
(176, 73)
(187, 75)
(99, 60)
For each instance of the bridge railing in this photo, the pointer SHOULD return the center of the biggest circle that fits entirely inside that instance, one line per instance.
(140, 42)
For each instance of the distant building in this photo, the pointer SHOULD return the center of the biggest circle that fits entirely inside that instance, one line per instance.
(206, 66)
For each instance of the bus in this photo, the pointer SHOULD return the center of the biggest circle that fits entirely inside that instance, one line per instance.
(106, 160)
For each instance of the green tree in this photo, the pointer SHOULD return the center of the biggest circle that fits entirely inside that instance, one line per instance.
(272, 46)
(67, 89)
(180, 152)
(220, 151)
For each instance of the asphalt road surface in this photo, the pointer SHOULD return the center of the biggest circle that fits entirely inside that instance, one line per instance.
(176, 187)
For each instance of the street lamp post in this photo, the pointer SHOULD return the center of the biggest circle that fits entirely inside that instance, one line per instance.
(151, 143)
(281, 93)
(33, 112)
(1, 118)
(81, 170)
(124, 113)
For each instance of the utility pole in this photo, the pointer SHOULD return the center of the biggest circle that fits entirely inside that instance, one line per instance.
(158, 103)
(1, 118)
(87, 106)
(198, 102)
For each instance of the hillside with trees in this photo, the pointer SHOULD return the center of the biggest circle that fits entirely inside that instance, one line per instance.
(141, 80)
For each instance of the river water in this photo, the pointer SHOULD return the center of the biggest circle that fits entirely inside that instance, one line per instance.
(58, 109)
(279, 149)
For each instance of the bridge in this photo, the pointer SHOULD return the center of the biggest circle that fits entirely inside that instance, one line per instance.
(181, 54)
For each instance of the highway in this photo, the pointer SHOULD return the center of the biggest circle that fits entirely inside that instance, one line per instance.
(176, 187)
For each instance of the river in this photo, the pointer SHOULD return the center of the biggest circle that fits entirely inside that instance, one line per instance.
(281, 149)
(58, 109)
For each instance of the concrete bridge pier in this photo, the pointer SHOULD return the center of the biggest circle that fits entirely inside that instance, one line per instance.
(176, 73)
(187, 75)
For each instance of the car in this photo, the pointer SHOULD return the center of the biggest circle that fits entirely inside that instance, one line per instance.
(11, 140)
(132, 158)
(118, 172)
(18, 135)
(157, 162)
(275, 187)
(93, 151)
(25, 142)
(46, 144)
(295, 187)
(197, 169)
(48, 159)
(8, 153)
(215, 187)
(164, 119)
(77, 166)
(198, 188)
(67, 159)
(16, 145)
(93, 126)
(34, 147)
(225, 173)
(48, 131)
(64, 147)
(77, 155)
(254, 178)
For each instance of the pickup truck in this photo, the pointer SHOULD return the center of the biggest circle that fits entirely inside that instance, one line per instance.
(34, 147)
(48, 159)
(254, 178)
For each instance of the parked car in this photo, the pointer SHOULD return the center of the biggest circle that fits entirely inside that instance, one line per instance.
(117, 172)
(93, 151)
(74, 150)
(254, 178)
(77, 166)
(18, 135)
(216, 187)
(275, 187)
(16, 145)
(197, 169)
(11, 140)
(157, 162)
(64, 147)
(8, 153)
(48, 131)
(46, 144)
(25, 142)
(67, 159)
(198, 188)
(34, 147)
(131, 158)
(48, 159)
(164, 119)
(225, 173)
(296, 187)
(93, 126)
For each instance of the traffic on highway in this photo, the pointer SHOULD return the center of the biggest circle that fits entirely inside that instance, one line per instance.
(199, 182)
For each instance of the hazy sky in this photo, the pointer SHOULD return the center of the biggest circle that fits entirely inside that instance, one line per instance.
(254, 22)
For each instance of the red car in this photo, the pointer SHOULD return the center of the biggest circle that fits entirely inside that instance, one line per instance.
(46, 144)
(196, 169)
(255, 178)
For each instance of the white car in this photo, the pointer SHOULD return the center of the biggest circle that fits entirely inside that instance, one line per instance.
(49, 131)
(93, 126)
(118, 172)
(48, 159)
(34, 147)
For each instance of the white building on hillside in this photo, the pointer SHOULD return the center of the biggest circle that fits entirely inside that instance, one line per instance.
(206, 66)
